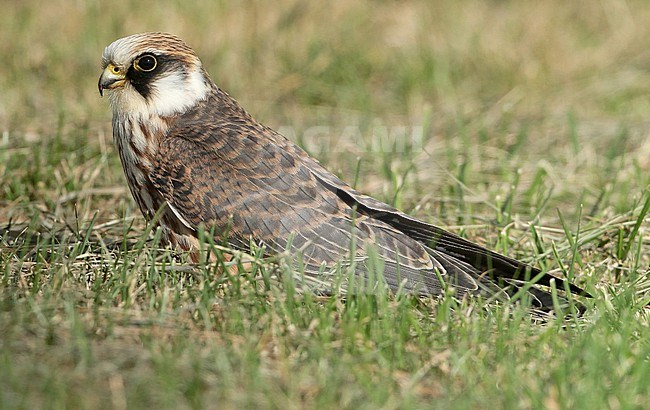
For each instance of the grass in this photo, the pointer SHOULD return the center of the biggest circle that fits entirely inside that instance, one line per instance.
(520, 125)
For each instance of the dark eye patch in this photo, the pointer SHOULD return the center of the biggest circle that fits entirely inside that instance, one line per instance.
(142, 71)
(147, 67)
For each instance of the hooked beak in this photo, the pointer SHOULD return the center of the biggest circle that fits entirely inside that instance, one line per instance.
(112, 77)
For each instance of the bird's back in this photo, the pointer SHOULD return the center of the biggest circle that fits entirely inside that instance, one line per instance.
(221, 168)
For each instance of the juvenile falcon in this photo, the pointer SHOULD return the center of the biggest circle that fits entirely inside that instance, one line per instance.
(192, 153)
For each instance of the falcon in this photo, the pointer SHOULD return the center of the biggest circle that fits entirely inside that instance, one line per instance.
(196, 161)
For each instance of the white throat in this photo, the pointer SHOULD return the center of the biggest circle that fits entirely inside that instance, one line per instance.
(171, 94)
(175, 93)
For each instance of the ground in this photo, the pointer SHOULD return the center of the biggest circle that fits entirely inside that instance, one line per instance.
(520, 125)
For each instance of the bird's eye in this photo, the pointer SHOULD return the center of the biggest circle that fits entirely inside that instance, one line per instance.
(115, 69)
(145, 63)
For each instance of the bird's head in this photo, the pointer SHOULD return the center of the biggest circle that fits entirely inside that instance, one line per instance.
(152, 74)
